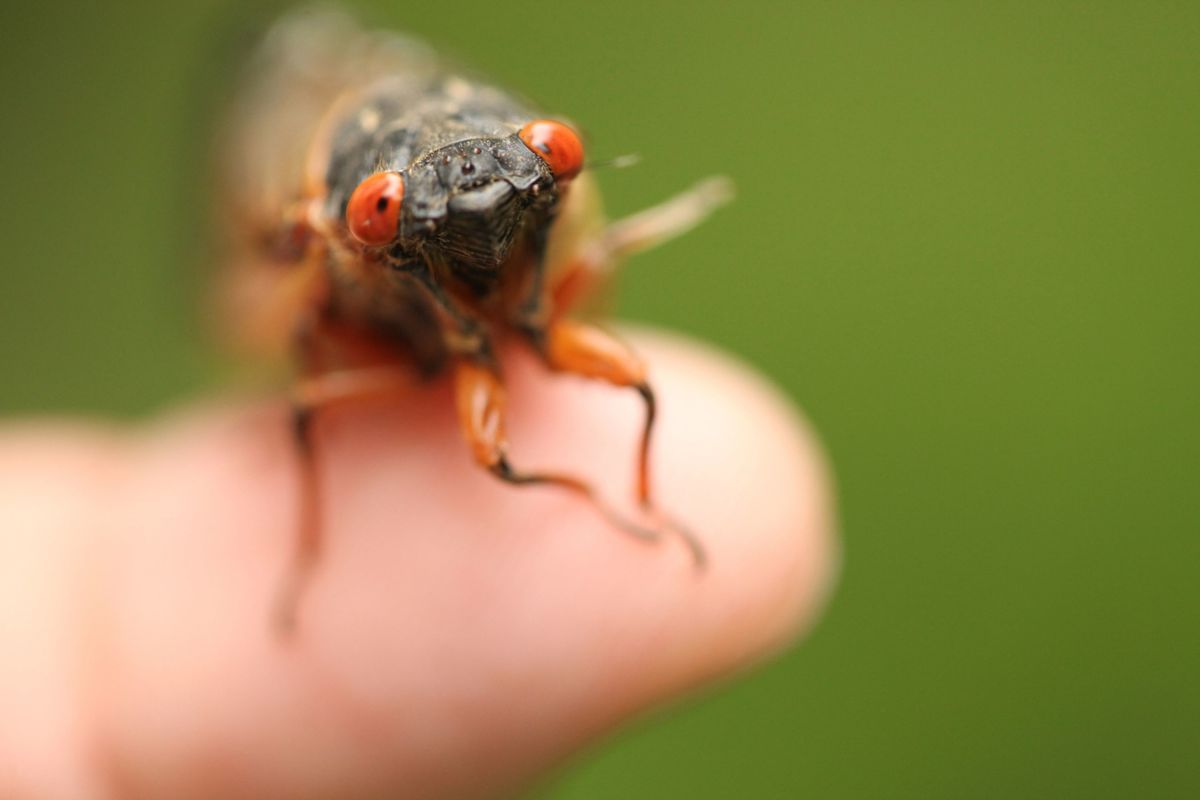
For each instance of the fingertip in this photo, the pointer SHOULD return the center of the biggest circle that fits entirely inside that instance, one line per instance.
(515, 624)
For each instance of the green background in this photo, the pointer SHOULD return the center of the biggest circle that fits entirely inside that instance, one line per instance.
(966, 240)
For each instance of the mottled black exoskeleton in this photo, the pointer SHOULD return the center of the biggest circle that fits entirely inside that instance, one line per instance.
(392, 217)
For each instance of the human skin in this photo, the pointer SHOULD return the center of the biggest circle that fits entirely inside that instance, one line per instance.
(459, 637)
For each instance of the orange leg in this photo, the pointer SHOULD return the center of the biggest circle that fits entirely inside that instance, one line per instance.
(311, 395)
(586, 350)
(481, 412)
(480, 398)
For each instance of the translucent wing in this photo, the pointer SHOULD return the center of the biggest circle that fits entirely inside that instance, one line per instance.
(305, 64)
(269, 157)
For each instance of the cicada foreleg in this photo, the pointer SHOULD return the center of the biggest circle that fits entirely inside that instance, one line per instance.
(481, 401)
(586, 350)
(481, 404)
(323, 383)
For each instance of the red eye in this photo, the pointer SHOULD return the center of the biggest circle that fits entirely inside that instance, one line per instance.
(373, 213)
(557, 145)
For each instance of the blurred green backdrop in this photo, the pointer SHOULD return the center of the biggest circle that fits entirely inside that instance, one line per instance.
(966, 241)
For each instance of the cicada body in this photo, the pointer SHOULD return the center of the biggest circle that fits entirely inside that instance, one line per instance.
(391, 217)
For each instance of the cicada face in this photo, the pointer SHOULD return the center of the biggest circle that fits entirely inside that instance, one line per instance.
(466, 203)
(466, 170)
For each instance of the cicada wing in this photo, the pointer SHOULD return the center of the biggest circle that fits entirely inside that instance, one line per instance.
(585, 258)
(578, 269)
(269, 159)
(305, 65)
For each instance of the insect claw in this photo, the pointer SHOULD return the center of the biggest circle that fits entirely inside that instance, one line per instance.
(504, 470)
(671, 525)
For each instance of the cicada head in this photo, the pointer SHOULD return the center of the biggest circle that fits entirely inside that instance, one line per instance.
(468, 202)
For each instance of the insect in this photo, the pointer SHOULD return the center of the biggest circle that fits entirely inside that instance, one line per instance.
(387, 217)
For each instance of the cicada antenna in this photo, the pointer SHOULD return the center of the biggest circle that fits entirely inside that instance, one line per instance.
(617, 162)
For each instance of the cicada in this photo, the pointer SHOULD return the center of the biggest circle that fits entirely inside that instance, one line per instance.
(389, 216)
